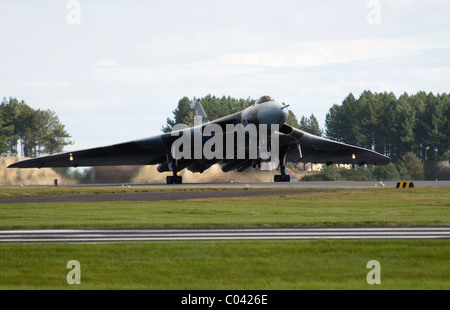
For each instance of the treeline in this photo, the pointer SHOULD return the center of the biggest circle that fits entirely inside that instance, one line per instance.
(411, 124)
(409, 167)
(393, 126)
(216, 107)
(213, 106)
(28, 132)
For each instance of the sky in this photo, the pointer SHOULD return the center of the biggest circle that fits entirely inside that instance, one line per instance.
(113, 71)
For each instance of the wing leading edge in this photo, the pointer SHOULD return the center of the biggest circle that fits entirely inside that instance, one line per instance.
(141, 152)
(296, 145)
(154, 150)
(321, 150)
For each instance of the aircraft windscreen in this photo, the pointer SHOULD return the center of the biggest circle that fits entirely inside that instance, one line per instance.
(264, 99)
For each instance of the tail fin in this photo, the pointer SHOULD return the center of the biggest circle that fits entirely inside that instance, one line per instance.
(199, 112)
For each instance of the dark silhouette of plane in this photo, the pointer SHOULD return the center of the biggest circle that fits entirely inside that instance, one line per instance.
(236, 142)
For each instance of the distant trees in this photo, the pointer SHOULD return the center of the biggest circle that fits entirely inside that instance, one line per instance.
(182, 115)
(216, 107)
(310, 125)
(391, 126)
(30, 132)
(408, 129)
(409, 167)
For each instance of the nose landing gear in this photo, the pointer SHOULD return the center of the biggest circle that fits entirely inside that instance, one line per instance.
(283, 177)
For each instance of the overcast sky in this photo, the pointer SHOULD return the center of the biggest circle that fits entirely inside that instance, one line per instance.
(113, 71)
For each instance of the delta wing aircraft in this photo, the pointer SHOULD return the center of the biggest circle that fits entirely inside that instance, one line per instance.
(255, 137)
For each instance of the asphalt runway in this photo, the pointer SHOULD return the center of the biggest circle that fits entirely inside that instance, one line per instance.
(212, 190)
(165, 195)
(277, 185)
(148, 235)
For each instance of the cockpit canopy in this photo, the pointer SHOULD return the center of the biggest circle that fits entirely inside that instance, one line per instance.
(264, 99)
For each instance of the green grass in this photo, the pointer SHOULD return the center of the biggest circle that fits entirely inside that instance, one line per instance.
(39, 191)
(249, 265)
(289, 265)
(362, 207)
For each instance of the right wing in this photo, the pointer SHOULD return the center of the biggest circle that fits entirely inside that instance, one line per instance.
(316, 149)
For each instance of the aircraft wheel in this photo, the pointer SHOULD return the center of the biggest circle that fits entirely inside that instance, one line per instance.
(282, 178)
(170, 179)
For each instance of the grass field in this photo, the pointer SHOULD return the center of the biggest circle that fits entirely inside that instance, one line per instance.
(319, 264)
(39, 191)
(359, 207)
(249, 265)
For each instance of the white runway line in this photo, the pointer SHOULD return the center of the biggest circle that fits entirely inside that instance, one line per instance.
(131, 235)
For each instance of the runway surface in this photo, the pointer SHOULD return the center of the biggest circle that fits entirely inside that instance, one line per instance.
(165, 195)
(140, 235)
(210, 191)
(159, 192)
(278, 185)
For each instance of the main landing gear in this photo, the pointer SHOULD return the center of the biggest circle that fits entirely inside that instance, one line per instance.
(282, 178)
(174, 179)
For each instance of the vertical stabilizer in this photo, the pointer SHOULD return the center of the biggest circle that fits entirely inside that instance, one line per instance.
(199, 113)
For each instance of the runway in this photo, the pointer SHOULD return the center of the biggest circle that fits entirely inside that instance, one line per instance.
(211, 191)
(272, 184)
(158, 192)
(149, 235)
(167, 195)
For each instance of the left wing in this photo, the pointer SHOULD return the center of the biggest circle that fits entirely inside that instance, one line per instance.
(321, 150)
(148, 151)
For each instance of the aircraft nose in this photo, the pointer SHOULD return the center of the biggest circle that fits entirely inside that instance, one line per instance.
(273, 114)
(280, 115)
(285, 114)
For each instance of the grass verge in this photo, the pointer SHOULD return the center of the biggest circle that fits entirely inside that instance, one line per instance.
(273, 265)
(40, 191)
(363, 207)
(249, 265)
